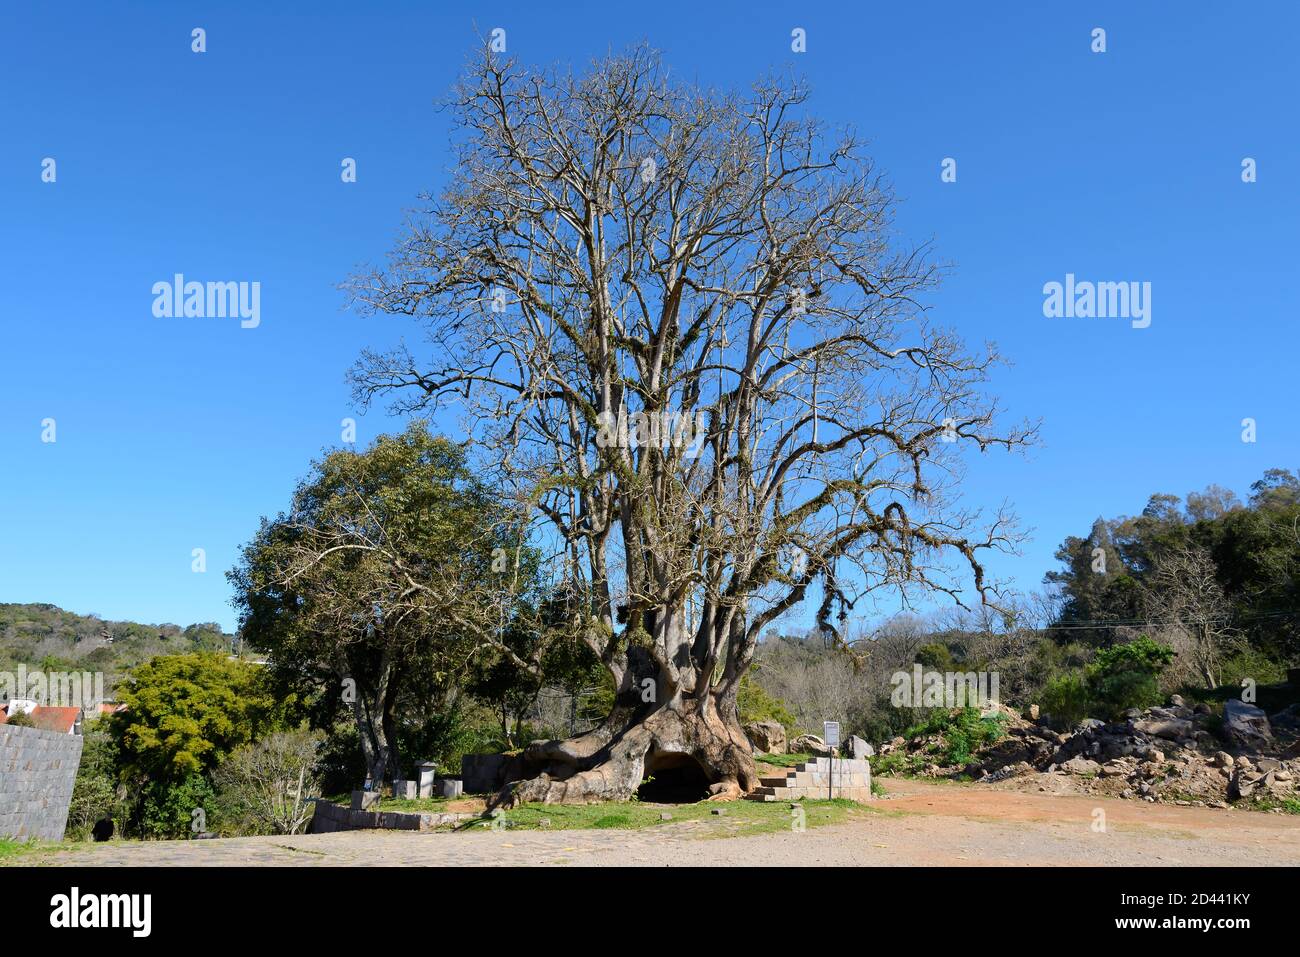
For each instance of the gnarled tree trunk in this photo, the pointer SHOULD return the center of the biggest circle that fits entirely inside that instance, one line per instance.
(637, 739)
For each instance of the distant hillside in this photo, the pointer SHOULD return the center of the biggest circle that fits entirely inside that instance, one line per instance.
(47, 637)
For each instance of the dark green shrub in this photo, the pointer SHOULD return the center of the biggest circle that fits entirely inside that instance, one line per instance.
(1066, 699)
(1127, 676)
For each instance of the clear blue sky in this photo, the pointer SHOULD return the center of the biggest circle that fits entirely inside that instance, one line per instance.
(174, 434)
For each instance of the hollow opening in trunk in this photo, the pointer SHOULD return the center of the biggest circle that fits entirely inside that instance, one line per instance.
(673, 779)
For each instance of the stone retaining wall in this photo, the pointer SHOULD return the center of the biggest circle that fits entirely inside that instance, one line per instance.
(814, 779)
(37, 771)
(331, 817)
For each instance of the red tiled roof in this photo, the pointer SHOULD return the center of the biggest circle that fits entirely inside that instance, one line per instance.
(62, 720)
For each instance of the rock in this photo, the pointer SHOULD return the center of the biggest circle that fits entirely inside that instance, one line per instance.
(665, 816)
(1223, 759)
(1088, 724)
(858, 748)
(1203, 708)
(1177, 701)
(766, 736)
(1155, 756)
(1268, 764)
(1240, 786)
(1242, 762)
(811, 744)
(1246, 726)
(1172, 728)
(1284, 775)
(1081, 765)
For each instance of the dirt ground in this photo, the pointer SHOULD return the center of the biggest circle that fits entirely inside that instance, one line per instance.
(918, 823)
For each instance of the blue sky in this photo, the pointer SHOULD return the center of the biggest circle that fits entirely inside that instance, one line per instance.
(175, 434)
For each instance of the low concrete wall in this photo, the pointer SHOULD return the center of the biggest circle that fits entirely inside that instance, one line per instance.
(37, 771)
(489, 773)
(331, 817)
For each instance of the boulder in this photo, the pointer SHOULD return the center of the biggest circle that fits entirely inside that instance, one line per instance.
(1172, 729)
(767, 737)
(1246, 726)
(859, 749)
(810, 744)
(1080, 765)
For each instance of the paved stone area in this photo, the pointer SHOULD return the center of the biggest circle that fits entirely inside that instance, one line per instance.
(920, 824)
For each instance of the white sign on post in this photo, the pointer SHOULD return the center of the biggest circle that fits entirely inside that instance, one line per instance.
(831, 732)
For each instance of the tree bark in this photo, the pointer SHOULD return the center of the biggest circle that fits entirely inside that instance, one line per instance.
(638, 738)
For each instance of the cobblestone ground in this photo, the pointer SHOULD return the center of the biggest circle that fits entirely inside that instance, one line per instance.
(919, 824)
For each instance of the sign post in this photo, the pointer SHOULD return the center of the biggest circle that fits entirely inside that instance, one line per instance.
(831, 731)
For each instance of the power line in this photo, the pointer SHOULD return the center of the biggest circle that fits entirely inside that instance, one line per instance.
(1155, 622)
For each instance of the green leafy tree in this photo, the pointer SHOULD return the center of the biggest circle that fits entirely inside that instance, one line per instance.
(185, 713)
(97, 793)
(1127, 676)
(1096, 583)
(392, 571)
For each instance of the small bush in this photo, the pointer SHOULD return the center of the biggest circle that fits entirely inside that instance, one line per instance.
(168, 809)
(963, 732)
(756, 704)
(1066, 699)
(1120, 677)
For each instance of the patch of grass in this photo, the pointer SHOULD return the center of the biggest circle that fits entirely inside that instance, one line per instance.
(898, 764)
(964, 732)
(413, 805)
(10, 848)
(1288, 805)
(738, 817)
(11, 851)
(782, 760)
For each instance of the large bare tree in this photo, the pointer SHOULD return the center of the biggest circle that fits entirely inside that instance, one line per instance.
(677, 326)
(1187, 603)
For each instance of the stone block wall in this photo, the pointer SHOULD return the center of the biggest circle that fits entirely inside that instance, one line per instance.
(813, 779)
(37, 770)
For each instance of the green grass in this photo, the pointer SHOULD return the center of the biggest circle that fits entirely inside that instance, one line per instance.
(11, 850)
(782, 760)
(1289, 805)
(738, 817)
(413, 805)
(898, 763)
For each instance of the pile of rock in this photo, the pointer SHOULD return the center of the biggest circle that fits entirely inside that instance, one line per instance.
(1169, 754)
